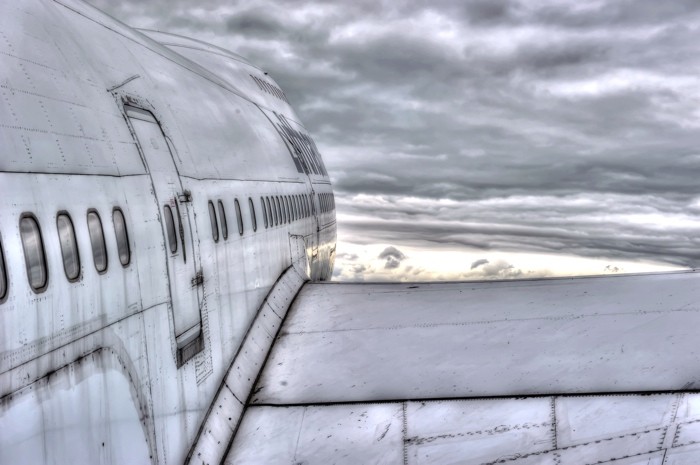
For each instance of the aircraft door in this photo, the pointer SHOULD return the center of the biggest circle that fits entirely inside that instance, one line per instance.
(184, 274)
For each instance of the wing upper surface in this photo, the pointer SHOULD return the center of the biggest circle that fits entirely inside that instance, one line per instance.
(374, 342)
(556, 371)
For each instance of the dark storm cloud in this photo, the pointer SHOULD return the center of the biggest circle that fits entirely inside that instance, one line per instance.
(568, 127)
(393, 257)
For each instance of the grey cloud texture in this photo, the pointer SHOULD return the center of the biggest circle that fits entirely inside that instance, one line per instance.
(539, 125)
(393, 257)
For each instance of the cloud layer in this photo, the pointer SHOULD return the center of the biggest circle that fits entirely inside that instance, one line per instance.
(494, 125)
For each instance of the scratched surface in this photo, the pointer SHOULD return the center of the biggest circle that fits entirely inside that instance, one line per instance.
(575, 430)
(373, 342)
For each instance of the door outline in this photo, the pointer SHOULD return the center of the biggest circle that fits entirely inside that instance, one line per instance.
(188, 335)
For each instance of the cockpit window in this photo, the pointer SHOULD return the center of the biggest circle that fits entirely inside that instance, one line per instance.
(122, 237)
(34, 256)
(69, 246)
(97, 240)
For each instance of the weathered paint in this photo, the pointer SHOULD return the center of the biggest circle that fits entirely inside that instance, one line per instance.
(97, 358)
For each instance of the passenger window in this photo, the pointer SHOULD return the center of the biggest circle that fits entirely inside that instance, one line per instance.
(97, 239)
(122, 237)
(239, 217)
(222, 217)
(271, 211)
(264, 210)
(278, 220)
(69, 246)
(253, 219)
(285, 208)
(214, 224)
(295, 211)
(3, 275)
(34, 256)
(170, 228)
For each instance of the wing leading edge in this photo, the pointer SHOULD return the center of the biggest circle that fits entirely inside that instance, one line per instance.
(578, 370)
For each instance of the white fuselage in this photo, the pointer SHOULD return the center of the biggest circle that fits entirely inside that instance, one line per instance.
(117, 360)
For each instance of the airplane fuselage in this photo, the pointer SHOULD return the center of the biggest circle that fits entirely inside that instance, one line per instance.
(152, 196)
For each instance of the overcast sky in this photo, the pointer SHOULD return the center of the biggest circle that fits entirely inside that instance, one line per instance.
(482, 139)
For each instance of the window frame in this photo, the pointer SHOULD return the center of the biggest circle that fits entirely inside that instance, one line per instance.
(167, 229)
(116, 210)
(279, 210)
(271, 211)
(253, 217)
(44, 262)
(104, 241)
(239, 216)
(4, 278)
(213, 221)
(222, 219)
(262, 202)
(64, 213)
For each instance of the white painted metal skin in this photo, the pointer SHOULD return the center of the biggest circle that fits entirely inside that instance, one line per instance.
(122, 365)
(181, 350)
(586, 370)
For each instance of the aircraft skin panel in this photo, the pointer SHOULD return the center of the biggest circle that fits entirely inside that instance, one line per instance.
(67, 72)
(569, 430)
(372, 342)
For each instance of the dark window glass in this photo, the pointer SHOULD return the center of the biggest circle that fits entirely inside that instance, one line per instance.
(253, 219)
(222, 218)
(271, 211)
(97, 240)
(122, 237)
(239, 217)
(3, 275)
(33, 253)
(214, 224)
(278, 219)
(69, 246)
(295, 212)
(264, 210)
(285, 209)
(170, 228)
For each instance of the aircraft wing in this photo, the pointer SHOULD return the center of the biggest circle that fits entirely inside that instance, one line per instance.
(560, 371)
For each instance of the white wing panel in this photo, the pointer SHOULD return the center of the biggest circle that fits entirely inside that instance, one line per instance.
(373, 342)
(637, 429)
